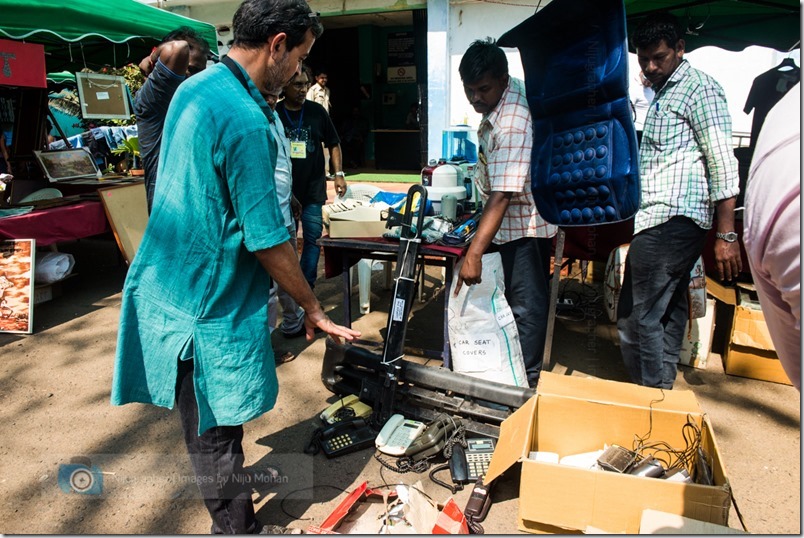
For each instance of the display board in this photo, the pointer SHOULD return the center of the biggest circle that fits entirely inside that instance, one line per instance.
(127, 211)
(16, 285)
(103, 96)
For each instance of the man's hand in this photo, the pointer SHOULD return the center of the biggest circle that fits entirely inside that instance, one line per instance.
(319, 320)
(471, 270)
(340, 185)
(295, 208)
(146, 66)
(727, 259)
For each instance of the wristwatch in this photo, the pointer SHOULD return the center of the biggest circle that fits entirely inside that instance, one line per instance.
(729, 237)
(340, 174)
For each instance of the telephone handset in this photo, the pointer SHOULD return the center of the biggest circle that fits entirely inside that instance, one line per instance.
(434, 438)
(346, 436)
(347, 407)
(397, 435)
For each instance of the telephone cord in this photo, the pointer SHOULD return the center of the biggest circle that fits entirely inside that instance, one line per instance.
(405, 464)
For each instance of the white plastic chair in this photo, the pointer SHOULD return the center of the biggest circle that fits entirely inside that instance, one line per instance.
(365, 193)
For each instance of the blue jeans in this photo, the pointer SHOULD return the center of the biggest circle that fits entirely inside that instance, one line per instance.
(653, 312)
(312, 224)
(217, 459)
(526, 271)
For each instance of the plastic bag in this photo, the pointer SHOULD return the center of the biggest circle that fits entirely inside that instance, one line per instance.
(484, 340)
(53, 266)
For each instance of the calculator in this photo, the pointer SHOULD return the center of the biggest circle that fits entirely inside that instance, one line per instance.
(478, 456)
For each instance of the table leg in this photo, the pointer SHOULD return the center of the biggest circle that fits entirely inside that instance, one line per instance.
(449, 269)
(347, 293)
(551, 312)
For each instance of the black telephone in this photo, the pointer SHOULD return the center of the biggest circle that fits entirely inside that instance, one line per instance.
(434, 438)
(346, 436)
(477, 507)
(470, 463)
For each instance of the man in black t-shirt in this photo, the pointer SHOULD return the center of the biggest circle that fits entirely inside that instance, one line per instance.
(181, 54)
(307, 126)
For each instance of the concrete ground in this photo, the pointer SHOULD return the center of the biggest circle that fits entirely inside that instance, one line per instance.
(54, 409)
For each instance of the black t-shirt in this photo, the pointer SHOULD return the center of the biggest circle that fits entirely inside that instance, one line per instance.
(767, 89)
(309, 178)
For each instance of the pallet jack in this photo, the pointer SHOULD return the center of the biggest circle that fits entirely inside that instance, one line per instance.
(392, 384)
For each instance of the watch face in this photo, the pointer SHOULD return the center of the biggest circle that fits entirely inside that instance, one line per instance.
(731, 237)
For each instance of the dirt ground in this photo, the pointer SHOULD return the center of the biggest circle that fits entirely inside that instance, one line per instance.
(54, 409)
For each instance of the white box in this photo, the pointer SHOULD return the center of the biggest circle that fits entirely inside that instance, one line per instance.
(697, 342)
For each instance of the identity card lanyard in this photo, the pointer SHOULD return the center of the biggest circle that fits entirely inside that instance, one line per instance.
(298, 148)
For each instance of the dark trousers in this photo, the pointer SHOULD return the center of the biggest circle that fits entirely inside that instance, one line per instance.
(653, 312)
(217, 459)
(526, 271)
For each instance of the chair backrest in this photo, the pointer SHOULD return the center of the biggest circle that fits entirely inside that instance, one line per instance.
(584, 163)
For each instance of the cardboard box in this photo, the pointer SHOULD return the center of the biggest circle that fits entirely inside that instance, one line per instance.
(750, 351)
(697, 341)
(358, 222)
(573, 415)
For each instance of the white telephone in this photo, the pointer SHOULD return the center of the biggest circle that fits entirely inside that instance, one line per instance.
(347, 407)
(397, 435)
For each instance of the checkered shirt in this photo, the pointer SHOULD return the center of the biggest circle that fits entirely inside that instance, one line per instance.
(686, 158)
(505, 136)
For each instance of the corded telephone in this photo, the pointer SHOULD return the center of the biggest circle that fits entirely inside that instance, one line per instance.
(467, 465)
(346, 436)
(347, 407)
(434, 438)
(477, 507)
(398, 434)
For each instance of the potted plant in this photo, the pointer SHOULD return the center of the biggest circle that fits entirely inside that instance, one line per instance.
(131, 148)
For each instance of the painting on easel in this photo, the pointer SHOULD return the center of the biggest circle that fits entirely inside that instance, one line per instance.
(16, 285)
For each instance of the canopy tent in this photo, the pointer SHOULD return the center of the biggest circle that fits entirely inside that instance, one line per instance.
(728, 24)
(93, 34)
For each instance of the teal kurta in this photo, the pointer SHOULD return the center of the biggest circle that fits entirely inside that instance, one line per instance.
(195, 288)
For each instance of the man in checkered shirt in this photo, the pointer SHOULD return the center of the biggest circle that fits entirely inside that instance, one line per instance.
(511, 224)
(688, 172)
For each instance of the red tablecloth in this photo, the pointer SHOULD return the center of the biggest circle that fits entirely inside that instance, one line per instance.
(55, 224)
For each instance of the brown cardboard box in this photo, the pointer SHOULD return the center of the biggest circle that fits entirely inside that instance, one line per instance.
(572, 415)
(358, 222)
(750, 351)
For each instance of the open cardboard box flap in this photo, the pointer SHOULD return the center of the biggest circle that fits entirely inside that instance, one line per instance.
(751, 330)
(516, 430)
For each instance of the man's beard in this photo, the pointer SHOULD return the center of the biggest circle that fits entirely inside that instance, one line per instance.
(274, 75)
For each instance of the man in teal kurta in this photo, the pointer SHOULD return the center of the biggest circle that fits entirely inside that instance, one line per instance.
(194, 320)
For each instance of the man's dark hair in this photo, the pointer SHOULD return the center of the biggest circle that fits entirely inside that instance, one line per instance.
(483, 57)
(185, 33)
(256, 21)
(319, 71)
(657, 28)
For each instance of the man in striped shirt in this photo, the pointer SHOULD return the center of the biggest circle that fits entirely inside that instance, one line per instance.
(688, 172)
(510, 224)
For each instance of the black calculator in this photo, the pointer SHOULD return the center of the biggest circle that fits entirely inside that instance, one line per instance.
(347, 436)
(478, 456)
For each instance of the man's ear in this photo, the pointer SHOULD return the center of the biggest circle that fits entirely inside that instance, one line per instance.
(680, 48)
(278, 42)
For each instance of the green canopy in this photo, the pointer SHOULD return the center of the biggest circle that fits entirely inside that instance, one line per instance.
(93, 33)
(728, 24)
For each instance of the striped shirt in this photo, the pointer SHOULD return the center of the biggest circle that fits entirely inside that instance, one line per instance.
(505, 136)
(686, 158)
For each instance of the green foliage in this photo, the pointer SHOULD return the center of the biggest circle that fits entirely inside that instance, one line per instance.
(131, 149)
